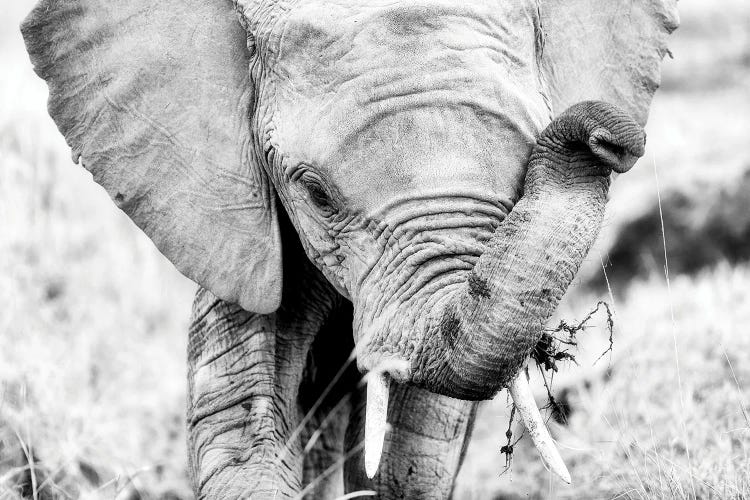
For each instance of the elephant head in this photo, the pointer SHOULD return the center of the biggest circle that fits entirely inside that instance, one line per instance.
(411, 144)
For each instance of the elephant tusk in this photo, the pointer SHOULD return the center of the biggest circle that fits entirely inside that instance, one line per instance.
(520, 392)
(375, 419)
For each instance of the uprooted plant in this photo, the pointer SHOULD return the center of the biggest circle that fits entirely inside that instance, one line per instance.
(555, 346)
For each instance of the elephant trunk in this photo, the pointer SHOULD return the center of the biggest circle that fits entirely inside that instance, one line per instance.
(487, 330)
(479, 334)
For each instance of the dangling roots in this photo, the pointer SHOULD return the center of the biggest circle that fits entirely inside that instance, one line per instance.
(553, 347)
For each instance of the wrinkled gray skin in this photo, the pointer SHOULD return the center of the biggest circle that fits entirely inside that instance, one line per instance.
(430, 213)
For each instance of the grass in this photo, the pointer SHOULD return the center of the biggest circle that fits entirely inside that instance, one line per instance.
(92, 374)
(93, 328)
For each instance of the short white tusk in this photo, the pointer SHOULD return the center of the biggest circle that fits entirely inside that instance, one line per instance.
(524, 400)
(375, 419)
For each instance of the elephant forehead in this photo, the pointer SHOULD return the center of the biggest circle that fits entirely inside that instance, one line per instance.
(346, 137)
(341, 68)
(374, 157)
(326, 44)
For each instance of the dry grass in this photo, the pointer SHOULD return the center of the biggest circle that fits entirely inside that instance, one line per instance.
(92, 376)
(93, 323)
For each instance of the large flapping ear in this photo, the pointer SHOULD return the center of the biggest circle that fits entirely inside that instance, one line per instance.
(607, 50)
(155, 99)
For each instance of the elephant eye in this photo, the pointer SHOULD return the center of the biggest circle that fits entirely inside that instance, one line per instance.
(318, 194)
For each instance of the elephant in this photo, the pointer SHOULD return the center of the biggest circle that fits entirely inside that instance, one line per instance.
(382, 203)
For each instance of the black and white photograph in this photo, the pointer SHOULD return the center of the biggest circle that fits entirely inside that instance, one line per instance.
(388, 249)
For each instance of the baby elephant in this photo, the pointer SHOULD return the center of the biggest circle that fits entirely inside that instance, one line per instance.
(401, 189)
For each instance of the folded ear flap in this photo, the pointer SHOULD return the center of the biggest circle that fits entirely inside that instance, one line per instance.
(607, 50)
(155, 99)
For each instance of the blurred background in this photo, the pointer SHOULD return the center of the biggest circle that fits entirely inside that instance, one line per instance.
(93, 319)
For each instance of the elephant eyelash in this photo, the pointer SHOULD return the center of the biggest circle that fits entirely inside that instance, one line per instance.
(317, 192)
(293, 174)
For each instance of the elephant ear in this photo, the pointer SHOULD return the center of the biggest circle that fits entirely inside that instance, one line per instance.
(607, 50)
(155, 99)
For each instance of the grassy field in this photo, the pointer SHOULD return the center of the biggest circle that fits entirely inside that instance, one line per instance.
(93, 328)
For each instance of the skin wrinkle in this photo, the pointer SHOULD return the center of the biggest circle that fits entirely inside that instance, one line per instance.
(266, 433)
(414, 254)
(213, 403)
(446, 283)
(383, 233)
(417, 261)
(401, 209)
(398, 250)
(338, 247)
(230, 347)
(469, 224)
(216, 473)
(429, 100)
(413, 275)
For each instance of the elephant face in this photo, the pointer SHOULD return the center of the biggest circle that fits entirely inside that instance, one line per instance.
(397, 137)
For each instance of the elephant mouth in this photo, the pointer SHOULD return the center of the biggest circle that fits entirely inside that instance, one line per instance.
(376, 426)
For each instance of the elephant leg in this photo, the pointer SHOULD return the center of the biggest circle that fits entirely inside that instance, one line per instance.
(423, 450)
(231, 418)
(239, 417)
(245, 373)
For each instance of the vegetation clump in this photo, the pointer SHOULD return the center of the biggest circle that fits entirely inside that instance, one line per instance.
(554, 347)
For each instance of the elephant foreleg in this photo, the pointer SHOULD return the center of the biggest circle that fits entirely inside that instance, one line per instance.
(244, 412)
(236, 426)
(423, 450)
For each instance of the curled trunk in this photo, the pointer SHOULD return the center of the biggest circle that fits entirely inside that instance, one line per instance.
(489, 329)
(484, 331)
